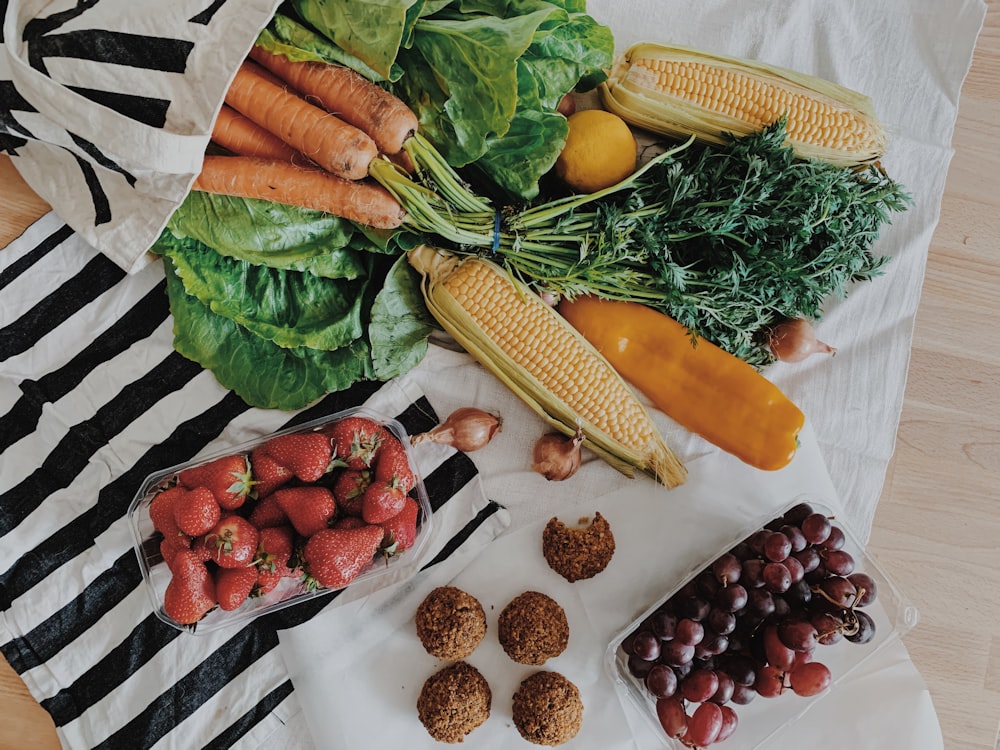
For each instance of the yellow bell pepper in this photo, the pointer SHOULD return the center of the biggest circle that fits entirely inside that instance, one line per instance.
(700, 386)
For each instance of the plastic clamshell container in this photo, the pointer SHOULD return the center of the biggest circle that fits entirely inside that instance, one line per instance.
(762, 720)
(291, 590)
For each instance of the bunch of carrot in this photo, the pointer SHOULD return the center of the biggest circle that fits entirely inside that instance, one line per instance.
(305, 133)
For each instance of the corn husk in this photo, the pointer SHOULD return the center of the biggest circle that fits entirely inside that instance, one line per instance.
(631, 93)
(655, 458)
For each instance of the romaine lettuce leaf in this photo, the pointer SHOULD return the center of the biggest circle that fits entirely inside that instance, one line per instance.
(476, 59)
(290, 308)
(262, 373)
(372, 31)
(272, 234)
(286, 36)
(400, 323)
(531, 145)
(572, 56)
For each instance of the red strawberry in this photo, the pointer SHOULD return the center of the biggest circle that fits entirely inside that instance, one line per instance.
(393, 465)
(233, 586)
(171, 545)
(268, 474)
(349, 522)
(274, 548)
(233, 542)
(267, 581)
(267, 513)
(228, 478)
(190, 594)
(203, 548)
(305, 454)
(161, 510)
(309, 509)
(349, 489)
(355, 441)
(401, 529)
(196, 511)
(381, 502)
(334, 557)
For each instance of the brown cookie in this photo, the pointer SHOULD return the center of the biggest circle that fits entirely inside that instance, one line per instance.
(450, 623)
(453, 701)
(547, 709)
(533, 628)
(578, 553)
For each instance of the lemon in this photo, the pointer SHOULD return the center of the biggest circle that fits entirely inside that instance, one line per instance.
(600, 150)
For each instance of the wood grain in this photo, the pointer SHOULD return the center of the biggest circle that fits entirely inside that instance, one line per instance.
(937, 524)
(19, 206)
(937, 527)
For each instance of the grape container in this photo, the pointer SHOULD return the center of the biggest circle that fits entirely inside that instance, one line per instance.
(632, 653)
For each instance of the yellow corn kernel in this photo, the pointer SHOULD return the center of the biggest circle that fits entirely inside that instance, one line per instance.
(521, 326)
(678, 91)
(543, 360)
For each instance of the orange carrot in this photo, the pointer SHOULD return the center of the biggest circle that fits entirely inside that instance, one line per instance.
(338, 147)
(349, 95)
(242, 136)
(361, 201)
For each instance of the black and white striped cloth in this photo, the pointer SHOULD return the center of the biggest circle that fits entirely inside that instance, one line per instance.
(92, 400)
(106, 106)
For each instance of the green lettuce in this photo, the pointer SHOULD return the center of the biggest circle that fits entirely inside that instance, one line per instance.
(371, 31)
(288, 37)
(400, 323)
(284, 304)
(262, 373)
(287, 307)
(272, 234)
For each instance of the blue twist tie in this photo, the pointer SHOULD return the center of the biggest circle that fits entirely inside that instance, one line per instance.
(496, 231)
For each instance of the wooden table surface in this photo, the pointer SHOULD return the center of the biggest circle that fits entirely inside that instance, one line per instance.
(937, 527)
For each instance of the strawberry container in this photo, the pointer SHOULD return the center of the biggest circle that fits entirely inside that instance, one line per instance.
(386, 567)
(761, 720)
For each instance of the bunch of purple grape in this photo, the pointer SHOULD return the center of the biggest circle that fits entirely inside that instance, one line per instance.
(749, 625)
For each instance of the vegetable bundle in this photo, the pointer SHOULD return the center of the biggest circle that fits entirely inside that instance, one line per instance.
(484, 77)
(279, 280)
(726, 240)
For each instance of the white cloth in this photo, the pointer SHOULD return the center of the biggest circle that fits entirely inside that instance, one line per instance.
(911, 58)
(106, 108)
(359, 669)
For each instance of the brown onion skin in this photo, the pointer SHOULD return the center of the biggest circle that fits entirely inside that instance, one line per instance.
(557, 457)
(466, 429)
(567, 105)
(794, 340)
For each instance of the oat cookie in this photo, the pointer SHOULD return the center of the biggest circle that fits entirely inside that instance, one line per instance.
(453, 701)
(547, 709)
(450, 623)
(533, 628)
(578, 553)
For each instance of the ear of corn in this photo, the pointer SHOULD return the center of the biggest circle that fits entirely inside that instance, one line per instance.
(544, 361)
(679, 91)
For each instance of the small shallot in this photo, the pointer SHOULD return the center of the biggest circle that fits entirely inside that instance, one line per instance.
(793, 340)
(557, 457)
(466, 429)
